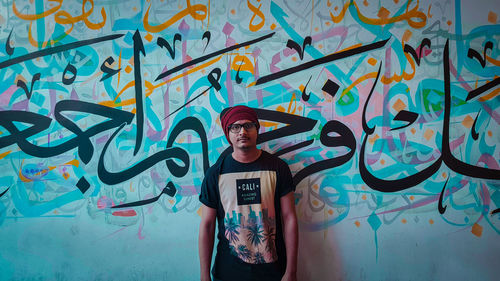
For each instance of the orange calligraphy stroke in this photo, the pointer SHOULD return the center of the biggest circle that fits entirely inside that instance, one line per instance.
(256, 12)
(408, 16)
(340, 17)
(36, 16)
(197, 12)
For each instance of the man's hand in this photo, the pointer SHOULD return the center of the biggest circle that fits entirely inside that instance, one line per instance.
(291, 235)
(206, 241)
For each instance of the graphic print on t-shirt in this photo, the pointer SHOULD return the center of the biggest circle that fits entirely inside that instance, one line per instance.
(250, 222)
(248, 191)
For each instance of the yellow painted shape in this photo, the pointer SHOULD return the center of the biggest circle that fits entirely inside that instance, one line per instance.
(468, 121)
(477, 230)
(407, 36)
(383, 13)
(428, 134)
(373, 139)
(492, 17)
(2, 155)
(399, 105)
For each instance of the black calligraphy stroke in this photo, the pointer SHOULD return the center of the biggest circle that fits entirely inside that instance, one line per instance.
(295, 124)
(323, 60)
(475, 54)
(442, 209)
(446, 156)
(139, 101)
(476, 92)
(409, 49)
(293, 147)
(58, 49)
(495, 211)
(83, 185)
(406, 116)
(106, 69)
(238, 79)
(207, 35)
(215, 84)
(344, 137)
(85, 148)
(164, 43)
(305, 95)
(72, 69)
(214, 54)
(40, 123)
(188, 123)
(169, 190)
(473, 131)
(22, 84)
(8, 48)
(381, 184)
(364, 123)
(2, 194)
(300, 50)
(330, 87)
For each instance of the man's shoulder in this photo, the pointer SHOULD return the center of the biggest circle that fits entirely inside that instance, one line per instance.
(215, 168)
(268, 157)
(271, 156)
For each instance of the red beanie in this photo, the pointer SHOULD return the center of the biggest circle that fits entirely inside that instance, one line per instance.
(235, 113)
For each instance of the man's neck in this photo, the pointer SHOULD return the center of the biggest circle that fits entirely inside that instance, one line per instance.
(246, 156)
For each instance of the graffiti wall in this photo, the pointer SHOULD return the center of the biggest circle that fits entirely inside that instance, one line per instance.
(387, 112)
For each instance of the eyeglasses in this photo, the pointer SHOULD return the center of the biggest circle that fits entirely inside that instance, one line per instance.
(235, 128)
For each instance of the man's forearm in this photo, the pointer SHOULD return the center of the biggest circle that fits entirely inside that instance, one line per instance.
(205, 248)
(291, 243)
(291, 235)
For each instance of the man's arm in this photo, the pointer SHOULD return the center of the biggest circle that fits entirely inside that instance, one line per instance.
(206, 241)
(290, 234)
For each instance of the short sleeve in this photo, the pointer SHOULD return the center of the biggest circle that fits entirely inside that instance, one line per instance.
(208, 194)
(285, 181)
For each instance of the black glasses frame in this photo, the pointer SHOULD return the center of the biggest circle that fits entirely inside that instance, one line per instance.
(236, 128)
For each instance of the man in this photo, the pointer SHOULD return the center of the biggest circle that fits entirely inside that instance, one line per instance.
(250, 194)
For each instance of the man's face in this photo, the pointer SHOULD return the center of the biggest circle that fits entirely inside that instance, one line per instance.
(243, 139)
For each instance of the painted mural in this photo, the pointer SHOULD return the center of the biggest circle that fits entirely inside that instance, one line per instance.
(387, 112)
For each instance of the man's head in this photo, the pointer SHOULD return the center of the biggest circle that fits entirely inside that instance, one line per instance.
(240, 124)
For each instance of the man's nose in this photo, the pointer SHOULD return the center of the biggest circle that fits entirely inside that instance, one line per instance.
(243, 130)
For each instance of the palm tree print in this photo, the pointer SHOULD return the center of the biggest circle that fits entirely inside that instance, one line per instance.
(269, 237)
(244, 252)
(259, 258)
(232, 230)
(233, 250)
(255, 234)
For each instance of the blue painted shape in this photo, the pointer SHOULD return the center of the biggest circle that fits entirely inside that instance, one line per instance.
(374, 221)
(495, 197)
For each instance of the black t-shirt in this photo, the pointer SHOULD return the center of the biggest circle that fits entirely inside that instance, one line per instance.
(247, 199)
